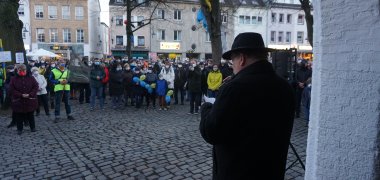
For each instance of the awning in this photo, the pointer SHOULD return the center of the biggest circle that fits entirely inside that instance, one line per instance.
(139, 55)
(118, 53)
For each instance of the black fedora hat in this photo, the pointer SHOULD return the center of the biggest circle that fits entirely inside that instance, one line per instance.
(247, 41)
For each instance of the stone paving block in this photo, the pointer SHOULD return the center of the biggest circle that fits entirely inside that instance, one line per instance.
(125, 144)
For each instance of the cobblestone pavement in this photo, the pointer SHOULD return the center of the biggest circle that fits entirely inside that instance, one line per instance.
(117, 144)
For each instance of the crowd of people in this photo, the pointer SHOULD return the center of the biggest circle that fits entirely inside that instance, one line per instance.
(137, 83)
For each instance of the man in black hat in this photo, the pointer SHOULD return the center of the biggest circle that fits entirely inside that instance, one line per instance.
(251, 120)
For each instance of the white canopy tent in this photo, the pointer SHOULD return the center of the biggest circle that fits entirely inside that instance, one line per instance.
(42, 53)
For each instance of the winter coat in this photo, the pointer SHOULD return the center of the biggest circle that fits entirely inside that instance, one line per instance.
(42, 83)
(168, 75)
(136, 88)
(96, 71)
(23, 85)
(214, 80)
(226, 70)
(249, 124)
(161, 87)
(180, 77)
(128, 75)
(194, 80)
(151, 78)
(106, 75)
(116, 83)
(204, 75)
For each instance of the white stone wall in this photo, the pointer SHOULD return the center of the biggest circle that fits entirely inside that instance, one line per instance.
(344, 128)
(94, 29)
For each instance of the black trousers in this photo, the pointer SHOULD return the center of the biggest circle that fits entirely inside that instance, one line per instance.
(151, 97)
(298, 100)
(21, 117)
(195, 99)
(43, 100)
(179, 90)
(84, 92)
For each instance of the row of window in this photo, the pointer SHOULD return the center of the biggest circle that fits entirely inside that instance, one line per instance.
(53, 12)
(288, 37)
(53, 35)
(250, 20)
(160, 36)
(161, 15)
(281, 18)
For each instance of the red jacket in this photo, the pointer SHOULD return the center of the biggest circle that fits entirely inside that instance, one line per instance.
(23, 85)
(107, 76)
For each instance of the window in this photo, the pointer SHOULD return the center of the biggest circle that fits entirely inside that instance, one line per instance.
(177, 15)
(281, 18)
(119, 1)
(21, 10)
(177, 35)
(39, 11)
(254, 19)
(288, 38)
(119, 20)
(299, 37)
(66, 35)
(259, 19)
(53, 13)
(241, 19)
(160, 14)
(65, 12)
(141, 1)
(224, 17)
(53, 35)
(247, 20)
(140, 41)
(300, 19)
(280, 36)
(289, 19)
(79, 13)
(273, 17)
(161, 34)
(40, 35)
(119, 40)
(208, 39)
(273, 36)
(80, 36)
(140, 20)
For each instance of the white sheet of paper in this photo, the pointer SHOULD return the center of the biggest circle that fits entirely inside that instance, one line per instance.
(210, 100)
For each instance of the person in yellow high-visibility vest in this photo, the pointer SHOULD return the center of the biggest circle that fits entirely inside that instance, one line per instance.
(59, 77)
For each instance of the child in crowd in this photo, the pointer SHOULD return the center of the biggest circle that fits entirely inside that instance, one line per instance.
(161, 89)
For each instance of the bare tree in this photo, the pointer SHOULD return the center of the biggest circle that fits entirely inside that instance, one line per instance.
(307, 7)
(211, 10)
(11, 27)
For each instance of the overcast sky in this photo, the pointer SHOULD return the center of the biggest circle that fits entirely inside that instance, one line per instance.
(104, 15)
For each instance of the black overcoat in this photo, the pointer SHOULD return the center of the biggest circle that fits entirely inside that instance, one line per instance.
(250, 124)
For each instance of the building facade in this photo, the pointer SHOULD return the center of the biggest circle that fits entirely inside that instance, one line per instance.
(173, 33)
(282, 26)
(105, 39)
(66, 27)
(24, 16)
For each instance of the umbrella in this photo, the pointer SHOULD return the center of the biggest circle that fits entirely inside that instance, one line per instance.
(42, 52)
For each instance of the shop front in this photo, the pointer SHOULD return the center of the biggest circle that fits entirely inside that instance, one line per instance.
(137, 53)
(64, 50)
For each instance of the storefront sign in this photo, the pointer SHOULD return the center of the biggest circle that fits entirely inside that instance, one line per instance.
(170, 45)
